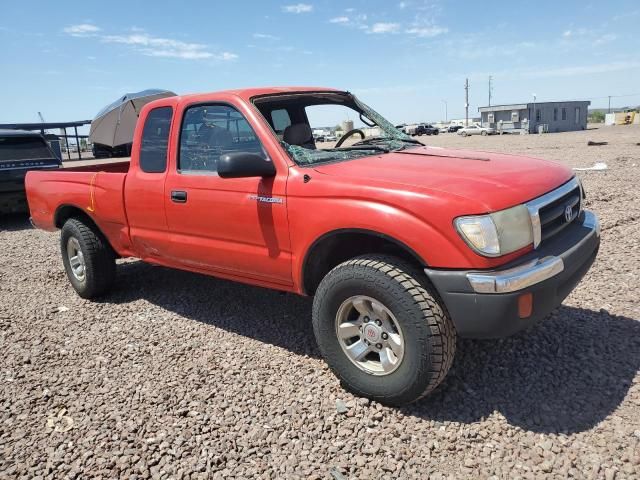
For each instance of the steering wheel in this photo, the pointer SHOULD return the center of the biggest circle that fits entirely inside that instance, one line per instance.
(347, 135)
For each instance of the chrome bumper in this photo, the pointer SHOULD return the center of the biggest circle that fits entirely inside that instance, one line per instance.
(527, 274)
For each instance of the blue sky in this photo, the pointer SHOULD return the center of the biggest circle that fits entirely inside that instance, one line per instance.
(69, 59)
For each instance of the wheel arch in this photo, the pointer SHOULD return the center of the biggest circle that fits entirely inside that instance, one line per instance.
(337, 246)
(66, 211)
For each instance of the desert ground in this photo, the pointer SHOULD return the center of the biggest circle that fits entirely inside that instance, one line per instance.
(178, 375)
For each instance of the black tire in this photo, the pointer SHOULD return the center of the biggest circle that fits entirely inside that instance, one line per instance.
(430, 337)
(99, 259)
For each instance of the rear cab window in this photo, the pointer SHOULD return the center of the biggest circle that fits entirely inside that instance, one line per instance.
(155, 140)
(280, 120)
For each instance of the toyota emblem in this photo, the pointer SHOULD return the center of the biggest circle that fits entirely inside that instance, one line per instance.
(568, 213)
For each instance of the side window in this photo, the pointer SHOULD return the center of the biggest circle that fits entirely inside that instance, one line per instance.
(280, 120)
(155, 139)
(209, 131)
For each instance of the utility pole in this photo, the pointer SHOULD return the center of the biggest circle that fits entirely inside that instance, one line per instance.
(490, 80)
(609, 103)
(466, 102)
(446, 114)
(533, 115)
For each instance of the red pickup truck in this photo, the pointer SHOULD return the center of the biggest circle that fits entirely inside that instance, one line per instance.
(404, 247)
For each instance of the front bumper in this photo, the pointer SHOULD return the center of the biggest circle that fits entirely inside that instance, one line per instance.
(484, 304)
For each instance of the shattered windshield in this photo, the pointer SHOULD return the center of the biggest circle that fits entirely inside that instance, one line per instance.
(330, 126)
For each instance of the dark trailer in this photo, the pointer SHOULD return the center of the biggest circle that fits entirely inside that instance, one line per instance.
(21, 151)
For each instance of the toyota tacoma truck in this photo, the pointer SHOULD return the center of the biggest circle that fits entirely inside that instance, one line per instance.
(403, 247)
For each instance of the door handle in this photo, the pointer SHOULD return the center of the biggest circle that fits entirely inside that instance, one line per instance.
(178, 196)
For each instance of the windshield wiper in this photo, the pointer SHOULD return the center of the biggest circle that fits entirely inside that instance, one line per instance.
(371, 140)
(377, 148)
(411, 140)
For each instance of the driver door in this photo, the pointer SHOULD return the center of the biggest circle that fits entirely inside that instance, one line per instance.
(220, 224)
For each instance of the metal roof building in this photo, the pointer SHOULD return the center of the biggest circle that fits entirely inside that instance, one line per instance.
(530, 117)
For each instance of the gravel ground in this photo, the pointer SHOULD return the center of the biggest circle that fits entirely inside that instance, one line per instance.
(177, 375)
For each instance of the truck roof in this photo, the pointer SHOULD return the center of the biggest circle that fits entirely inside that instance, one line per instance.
(248, 93)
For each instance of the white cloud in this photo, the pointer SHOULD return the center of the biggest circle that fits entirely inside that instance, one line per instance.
(582, 70)
(265, 36)
(164, 47)
(152, 46)
(384, 27)
(81, 30)
(606, 38)
(427, 32)
(403, 5)
(227, 56)
(298, 8)
(567, 33)
(339, 20)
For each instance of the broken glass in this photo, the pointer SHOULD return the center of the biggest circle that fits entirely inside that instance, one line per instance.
(391, 139)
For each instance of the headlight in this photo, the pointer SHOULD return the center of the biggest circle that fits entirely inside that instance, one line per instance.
(498, 233)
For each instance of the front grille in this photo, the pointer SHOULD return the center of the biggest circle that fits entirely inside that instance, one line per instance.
(553, 216)
(550, 213)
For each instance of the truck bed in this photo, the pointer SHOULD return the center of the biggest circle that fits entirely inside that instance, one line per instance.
(119, 165)
(97, 190)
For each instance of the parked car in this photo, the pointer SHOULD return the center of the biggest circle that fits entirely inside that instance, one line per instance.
(454, 128)
(429, 129)
(20, 152)
(320, 138)
(404, 247)
(330, 138)
(443, 129)
(476, 130)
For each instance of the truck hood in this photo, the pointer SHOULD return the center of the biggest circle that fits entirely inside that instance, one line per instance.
(494, 180)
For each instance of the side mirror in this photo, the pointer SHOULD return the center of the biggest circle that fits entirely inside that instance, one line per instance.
(245, 164)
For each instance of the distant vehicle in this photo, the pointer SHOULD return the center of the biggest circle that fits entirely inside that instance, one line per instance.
(330, 138)
(21, 151)
(104, 151)
(320, 138)
(429, 129)
(413, 129)
(454, 128)
(476, 130)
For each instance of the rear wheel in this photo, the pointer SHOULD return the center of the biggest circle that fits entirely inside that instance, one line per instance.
(382, 330)
(484, 133)
(88, 259)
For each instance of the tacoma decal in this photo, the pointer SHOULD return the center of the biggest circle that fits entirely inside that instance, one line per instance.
(264, 199)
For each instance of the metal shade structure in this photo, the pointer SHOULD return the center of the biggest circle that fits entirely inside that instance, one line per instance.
(114, 125)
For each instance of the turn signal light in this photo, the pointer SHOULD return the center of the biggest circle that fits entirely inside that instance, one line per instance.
(525, 305)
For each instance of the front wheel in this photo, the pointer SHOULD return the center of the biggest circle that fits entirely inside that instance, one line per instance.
(382, 330)
(484, 133)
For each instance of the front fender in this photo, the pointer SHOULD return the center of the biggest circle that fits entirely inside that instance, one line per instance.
(312, 218)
